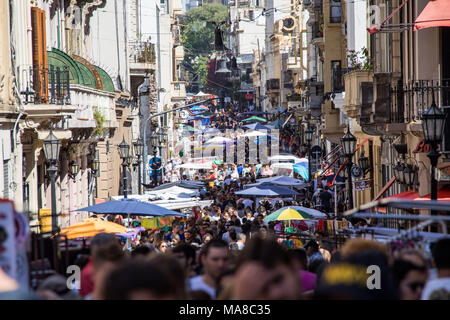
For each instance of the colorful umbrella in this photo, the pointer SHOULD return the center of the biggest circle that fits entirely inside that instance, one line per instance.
(287, 213)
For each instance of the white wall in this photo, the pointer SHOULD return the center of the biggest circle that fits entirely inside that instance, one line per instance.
(356, 25)
(104, 41)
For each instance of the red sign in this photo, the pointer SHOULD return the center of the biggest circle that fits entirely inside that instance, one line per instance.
(249, 96)
(422, 147)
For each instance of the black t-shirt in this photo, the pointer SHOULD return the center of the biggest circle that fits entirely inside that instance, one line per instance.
(325, 198)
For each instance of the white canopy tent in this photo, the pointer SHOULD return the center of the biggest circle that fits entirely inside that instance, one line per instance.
(284, 158)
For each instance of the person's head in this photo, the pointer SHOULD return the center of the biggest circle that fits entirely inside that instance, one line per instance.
(260, 218)
(312, 247)
(185, 254)
(175, 227)
(356, 246)
(188, 235)
(410, 278)
(241, 237)
(207, 238)
(175, 270)
(264, 271)
(364, 275)
(299, 258)
(105, 258)
(441, 254)
(214, 257)
(140, 251)
(162, 246)
(140, 280)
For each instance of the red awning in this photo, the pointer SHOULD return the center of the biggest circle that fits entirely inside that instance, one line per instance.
(435, 14)
(443, 195)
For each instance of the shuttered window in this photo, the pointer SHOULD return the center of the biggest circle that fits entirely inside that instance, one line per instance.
(5, 179)
(40, 71)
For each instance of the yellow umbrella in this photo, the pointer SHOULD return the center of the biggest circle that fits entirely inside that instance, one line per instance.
(90, 227)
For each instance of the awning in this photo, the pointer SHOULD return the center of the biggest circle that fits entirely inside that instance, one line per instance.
(443, 195)
(435, 14)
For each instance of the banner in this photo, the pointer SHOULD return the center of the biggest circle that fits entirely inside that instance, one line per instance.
(363, 185)
(45, 220)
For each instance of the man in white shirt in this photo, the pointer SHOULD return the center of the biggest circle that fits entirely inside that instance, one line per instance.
(439, 288)
(214, 258)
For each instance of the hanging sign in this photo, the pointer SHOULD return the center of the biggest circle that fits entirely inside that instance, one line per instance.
(363, 185)
(356, 172)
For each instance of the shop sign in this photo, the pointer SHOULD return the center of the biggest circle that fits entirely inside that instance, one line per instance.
(363, 185)
(422, 147)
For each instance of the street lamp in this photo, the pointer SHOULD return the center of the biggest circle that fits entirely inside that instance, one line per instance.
(409, 175)
(51, 151)
(139, 151)
(96, 164)
(124, 153)
(433, 121)
(308, 137)
(154, 139)
(73, 169)
(363, 163)
(398, 172)
(348, 142)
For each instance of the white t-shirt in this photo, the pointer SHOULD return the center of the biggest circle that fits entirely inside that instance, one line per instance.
(437, 289)
(197, 283)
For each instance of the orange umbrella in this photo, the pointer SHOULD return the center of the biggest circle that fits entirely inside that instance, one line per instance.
(90, 227)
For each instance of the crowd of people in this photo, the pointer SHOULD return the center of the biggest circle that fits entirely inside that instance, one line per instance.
(243, 268)
(226, 251)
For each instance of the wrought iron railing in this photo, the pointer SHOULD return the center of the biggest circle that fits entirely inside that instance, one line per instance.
(142, 52)
(45, 85)
(410, 100)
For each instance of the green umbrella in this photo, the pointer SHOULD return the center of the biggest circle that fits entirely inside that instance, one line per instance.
(288, 214)
(254, 118)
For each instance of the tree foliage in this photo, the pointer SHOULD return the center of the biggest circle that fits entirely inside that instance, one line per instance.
(198, 36)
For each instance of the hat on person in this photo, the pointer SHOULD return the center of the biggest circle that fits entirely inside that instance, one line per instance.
(364, 276)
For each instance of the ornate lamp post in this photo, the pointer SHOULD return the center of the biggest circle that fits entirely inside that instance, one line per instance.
(51, 151)
(433, 123)
(308, 137)
(348, 142)
(73, 169)
(363, 163)
(139, 151)
(95, 166)
(124, 153)
(154, 139)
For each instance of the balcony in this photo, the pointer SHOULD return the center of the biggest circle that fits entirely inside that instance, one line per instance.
(353, 81)
(44, 85)
(410, 100)
(142, 58)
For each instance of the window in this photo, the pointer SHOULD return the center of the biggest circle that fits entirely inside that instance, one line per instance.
(40, 77)
(335, 11)
(5, 179)
(336, 76)
(251, 14)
